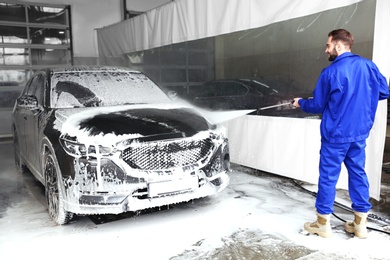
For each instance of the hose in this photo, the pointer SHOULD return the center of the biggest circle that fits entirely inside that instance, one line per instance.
(342, 206)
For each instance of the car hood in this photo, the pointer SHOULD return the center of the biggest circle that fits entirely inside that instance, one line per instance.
(114, 124)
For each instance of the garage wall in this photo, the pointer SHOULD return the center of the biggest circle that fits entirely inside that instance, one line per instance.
(86, 16)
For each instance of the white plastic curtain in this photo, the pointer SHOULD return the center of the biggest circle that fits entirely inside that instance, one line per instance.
(290, 147)
(186, 20)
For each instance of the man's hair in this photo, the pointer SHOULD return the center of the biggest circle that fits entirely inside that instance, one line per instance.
(342, 35)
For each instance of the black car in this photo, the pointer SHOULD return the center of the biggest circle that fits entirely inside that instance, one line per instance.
(240, 94)
(229, 94)
(106, 140)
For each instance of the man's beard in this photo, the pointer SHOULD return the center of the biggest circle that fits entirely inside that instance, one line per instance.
(333, 55)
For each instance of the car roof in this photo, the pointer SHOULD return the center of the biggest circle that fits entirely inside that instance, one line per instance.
(69, 69)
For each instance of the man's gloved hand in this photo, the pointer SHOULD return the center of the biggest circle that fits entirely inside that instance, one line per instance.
(296, 104)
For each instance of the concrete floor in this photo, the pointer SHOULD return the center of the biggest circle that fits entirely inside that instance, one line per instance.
(259, 216)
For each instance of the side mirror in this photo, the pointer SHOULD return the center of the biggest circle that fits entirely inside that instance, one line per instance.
(28, 102)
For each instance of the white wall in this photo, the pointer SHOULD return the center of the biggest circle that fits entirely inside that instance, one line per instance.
(381, 54)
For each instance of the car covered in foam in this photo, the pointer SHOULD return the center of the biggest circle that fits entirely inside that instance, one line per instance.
(106, 140)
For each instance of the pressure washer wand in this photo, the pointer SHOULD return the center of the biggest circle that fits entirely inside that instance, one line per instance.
(278, 105)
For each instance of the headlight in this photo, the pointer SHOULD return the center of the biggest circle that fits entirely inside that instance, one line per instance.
(73, 148)
(76, 149)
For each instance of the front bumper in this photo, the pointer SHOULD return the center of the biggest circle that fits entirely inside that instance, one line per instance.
(138, 200)
(116, 183)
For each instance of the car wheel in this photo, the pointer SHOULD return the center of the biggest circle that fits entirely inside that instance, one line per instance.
(53, 192)
(19, 164)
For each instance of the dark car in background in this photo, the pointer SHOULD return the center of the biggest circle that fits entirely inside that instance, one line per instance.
(239, 94)
(106, 140)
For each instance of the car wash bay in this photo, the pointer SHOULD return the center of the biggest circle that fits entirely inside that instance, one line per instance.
(259, 216)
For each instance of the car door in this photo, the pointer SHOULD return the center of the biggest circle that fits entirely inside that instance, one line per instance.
(20, 120)
(232, 95)
(36, 90)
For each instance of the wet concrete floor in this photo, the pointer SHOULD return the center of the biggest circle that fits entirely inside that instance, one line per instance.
(258, 197)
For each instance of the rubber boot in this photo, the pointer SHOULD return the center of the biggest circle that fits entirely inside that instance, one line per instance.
(358, 226)
(320, 227)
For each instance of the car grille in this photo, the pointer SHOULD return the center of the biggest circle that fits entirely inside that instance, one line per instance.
(165, 155)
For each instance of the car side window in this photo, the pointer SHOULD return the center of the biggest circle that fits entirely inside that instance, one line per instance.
(204, 91)
(231, 89)
(36, 88)
(39, 90)
(262, 88)
(32, 87)
(27, 87)
(220, 89)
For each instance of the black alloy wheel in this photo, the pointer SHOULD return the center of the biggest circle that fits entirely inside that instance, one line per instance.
(53, 192)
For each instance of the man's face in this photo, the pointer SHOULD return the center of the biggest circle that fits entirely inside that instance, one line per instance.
(331, 49)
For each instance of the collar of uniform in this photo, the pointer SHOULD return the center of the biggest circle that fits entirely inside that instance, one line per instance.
(343, 55)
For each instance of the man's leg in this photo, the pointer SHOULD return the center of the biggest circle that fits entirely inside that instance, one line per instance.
(331, 158)
(358, 184)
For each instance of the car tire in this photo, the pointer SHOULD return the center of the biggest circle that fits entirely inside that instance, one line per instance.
(19, 164)
(53, 192)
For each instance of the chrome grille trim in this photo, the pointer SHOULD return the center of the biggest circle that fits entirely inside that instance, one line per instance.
(164, 155)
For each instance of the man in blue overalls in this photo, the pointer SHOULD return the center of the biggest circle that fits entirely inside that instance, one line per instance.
(346, 94)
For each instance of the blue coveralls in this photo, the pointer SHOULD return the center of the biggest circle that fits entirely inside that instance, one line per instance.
(347, 95)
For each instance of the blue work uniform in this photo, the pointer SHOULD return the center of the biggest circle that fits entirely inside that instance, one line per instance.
(347, 95)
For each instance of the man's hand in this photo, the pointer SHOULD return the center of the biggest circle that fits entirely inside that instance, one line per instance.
(296, 104)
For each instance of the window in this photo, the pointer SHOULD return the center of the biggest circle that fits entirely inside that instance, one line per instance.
(32, 36)
(36, 88)
(231, 89)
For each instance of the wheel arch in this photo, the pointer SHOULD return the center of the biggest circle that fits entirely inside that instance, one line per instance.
(47, 148)
(62, 215)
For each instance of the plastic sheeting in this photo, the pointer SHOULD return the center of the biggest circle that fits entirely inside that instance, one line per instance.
(290, 147)
(186, 20)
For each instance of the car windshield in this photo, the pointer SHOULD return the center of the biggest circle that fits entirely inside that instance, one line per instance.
(103, 88)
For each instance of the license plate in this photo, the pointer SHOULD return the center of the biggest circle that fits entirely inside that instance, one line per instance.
(172, 186)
